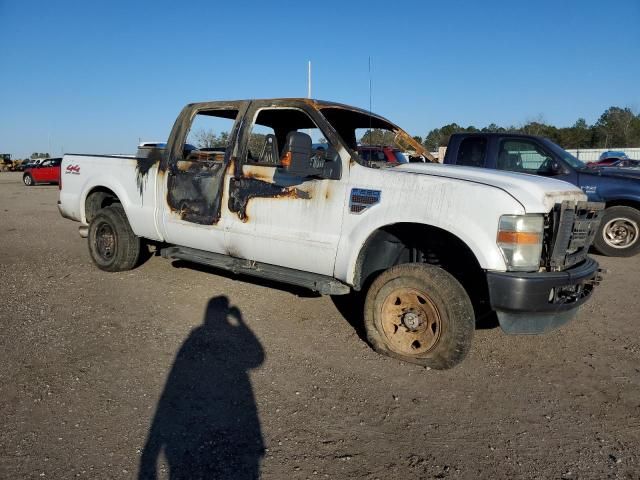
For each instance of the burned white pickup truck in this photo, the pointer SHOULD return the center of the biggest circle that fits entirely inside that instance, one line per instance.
(432, 247)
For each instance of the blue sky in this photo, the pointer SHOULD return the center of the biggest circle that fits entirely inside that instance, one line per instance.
(95, 77)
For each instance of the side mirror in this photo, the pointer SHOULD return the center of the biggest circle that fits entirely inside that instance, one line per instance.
(557, 168)
(296, 157)
(551, 167)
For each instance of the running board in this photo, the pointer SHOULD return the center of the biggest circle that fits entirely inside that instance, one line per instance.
(322, 284)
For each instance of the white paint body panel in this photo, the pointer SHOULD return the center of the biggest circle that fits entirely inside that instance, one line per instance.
(118, 174)
(468, 210)
(536, 194)
(290, 232)
(318, 234)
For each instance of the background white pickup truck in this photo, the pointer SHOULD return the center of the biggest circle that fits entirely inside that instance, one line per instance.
(429, 247)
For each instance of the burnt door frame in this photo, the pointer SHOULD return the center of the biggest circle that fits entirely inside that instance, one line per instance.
(296, 221)
(255, 106)
(243, 188)
(174, 162)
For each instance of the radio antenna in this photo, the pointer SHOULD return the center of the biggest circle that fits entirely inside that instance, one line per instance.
(370, 101)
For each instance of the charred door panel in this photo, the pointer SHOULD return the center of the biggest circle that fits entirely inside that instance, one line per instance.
(295, 226)
(194, 186)
(242, 190)
(195, 189)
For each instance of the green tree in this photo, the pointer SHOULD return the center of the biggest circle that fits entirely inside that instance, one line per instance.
(378, 137)
(580, 135)
(615, 127)
(634, 132)
(492, 128)
(208, 139)
(256, 144)
(439, 137)
(432, 139)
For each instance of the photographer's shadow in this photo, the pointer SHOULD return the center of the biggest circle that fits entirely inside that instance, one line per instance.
(206, 423)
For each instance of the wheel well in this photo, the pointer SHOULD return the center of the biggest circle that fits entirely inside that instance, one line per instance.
(98, 198)
(415, 243)
(623, 203)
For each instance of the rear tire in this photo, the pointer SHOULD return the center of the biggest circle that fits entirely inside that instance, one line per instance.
(619, 233)
(420, 314)
(112, 244)
(28, 180)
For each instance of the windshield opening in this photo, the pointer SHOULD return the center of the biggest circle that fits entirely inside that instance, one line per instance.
(564, 155)
(374, 139)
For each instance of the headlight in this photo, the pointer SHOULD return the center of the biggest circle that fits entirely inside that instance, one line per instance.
(520, 240)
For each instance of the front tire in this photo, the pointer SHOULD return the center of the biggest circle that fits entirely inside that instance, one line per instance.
(619, 233)
(420, 314)
(112, 244)
(28, 180)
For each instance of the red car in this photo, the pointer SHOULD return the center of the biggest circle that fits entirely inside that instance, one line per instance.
(614, 162)
(47, 172)
(377, 153)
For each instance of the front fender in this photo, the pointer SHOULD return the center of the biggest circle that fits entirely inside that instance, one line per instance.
(479, 238)
(624, 198)
(467, 210)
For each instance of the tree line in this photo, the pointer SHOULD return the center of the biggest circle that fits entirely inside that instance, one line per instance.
(209, 139)
(616, 128)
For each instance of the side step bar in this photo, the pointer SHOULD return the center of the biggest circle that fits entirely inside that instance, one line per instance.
(322, 284)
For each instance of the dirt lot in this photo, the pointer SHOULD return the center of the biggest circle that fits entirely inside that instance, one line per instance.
(102, 373)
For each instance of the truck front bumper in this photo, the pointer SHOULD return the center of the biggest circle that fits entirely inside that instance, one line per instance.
(530, 303)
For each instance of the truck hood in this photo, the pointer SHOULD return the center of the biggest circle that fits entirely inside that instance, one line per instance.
(627, 173)
(536, 194)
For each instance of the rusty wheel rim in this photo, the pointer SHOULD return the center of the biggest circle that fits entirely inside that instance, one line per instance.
(411, 322)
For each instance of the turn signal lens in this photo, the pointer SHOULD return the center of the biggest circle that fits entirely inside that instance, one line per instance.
(520, 241)
(523, 238)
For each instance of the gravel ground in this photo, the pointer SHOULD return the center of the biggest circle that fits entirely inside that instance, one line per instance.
(170, 369)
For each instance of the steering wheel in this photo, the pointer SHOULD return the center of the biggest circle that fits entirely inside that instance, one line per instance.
(548, 167)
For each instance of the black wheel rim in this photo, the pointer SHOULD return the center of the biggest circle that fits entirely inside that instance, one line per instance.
(105, 241)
